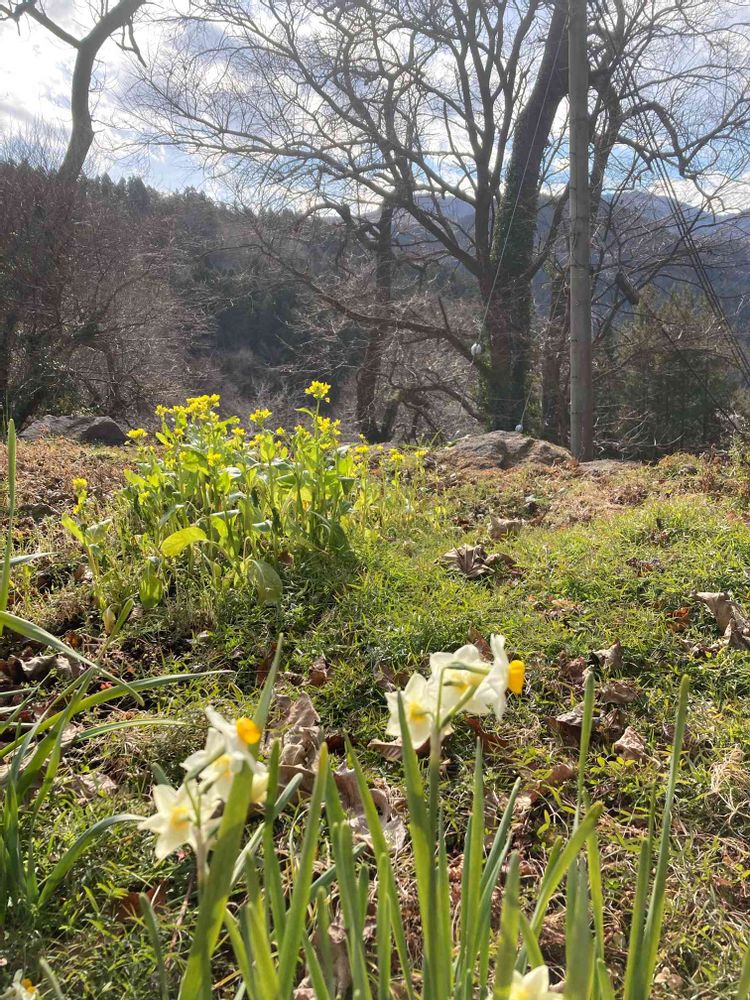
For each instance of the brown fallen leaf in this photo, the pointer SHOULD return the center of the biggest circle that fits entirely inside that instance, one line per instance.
(501, 527)
(319, 671)
(88, 786)
(572, 670)
(610, 658)
(263, 667)
(720, 606)
(335, 742)
(489, 741)
(301, 741)
(678, 620)
(645, 566)
(729, 617)
(37, 668)
(618, 692)
(568, 725)
(128, 907)
(392, 750)
(473, 562)
(388, 679)
(610, 727)
(560, 773)
(477, 639)
(631, 746)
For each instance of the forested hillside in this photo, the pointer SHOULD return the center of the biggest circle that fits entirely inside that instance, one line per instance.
(115, 295)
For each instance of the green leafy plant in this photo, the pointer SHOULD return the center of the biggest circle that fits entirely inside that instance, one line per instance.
(208, 508)
(31, 753)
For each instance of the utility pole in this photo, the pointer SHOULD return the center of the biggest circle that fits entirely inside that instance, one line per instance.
(581, 393)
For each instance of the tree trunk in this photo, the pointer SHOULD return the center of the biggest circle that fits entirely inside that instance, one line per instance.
(555, 365)
(507, 288)
(369, 372)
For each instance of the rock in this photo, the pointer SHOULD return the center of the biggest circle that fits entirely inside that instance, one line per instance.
(502, 450)
(83, 428)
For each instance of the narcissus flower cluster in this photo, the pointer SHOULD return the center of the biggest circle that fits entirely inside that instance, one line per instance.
(463, 681)
(20, 989)
(190, 814)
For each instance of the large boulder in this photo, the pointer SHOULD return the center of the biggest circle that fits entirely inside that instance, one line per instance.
(502, 450)
(86, 429)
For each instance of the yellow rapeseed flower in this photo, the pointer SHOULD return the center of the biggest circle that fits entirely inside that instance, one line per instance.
(396, 456)
(79, 484)
(137, 434)
(319, 391)
(260, 415)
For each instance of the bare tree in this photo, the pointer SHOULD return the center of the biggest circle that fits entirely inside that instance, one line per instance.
(451, 116)
(108, 20)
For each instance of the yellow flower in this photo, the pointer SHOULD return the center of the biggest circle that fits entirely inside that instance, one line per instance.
(397, 456)
(162, 411)
(279, 432)
(214, 458)
(419, 702)
(183, 815)
(21, 988)
(238, 432)
(260, 416)
(79, 485)
(137, 434)
(420, 453)
(516, 673)
(319, 391)
(239, 737)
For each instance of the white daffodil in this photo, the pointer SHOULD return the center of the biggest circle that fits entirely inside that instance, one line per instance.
(183, 815)
(468, 680)
(533, 986)
(20, 989)
(239, 738)
(419, 701)
(213, 767)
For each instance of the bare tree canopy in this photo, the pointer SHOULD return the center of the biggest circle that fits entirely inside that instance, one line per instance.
(452, 117)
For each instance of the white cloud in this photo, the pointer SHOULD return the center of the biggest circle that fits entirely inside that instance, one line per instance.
(35, 74)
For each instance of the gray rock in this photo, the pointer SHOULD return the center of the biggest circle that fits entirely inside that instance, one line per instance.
(502, 450)
(86, 429)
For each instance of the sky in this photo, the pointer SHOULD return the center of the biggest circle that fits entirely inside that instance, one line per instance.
(35, 73)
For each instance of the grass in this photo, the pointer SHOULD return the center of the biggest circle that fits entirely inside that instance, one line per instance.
(609, 557)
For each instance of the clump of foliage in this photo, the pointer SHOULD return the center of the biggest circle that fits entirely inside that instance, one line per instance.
(277, 930)
(208, 507)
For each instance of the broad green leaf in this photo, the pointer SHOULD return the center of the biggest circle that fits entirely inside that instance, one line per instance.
(267, 582)
(175, 543)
